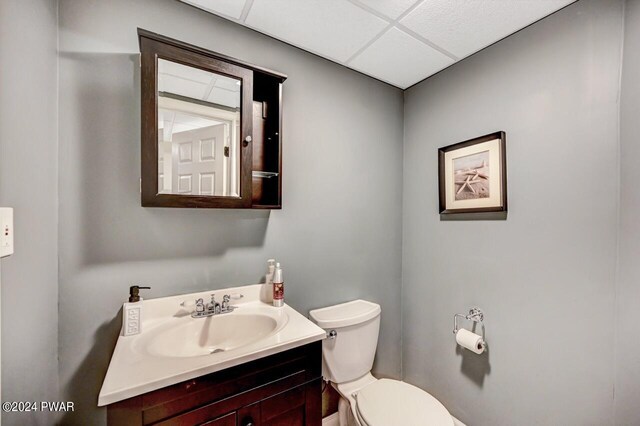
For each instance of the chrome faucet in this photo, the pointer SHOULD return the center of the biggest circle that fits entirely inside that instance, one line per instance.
(213, 307)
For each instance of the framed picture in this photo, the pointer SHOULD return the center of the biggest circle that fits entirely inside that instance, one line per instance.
(473, 175)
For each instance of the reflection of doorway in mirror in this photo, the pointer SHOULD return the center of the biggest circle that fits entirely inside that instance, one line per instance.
(198, 161)
(196, 155)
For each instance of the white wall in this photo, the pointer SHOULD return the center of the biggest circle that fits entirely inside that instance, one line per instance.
(545, 276)
(29, 184)
(338, 235)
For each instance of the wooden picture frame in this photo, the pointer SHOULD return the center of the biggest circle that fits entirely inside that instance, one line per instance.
(472, 175)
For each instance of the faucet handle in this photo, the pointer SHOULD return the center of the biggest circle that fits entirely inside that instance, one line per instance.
(200, 305)
(225, 302)
(213, 298)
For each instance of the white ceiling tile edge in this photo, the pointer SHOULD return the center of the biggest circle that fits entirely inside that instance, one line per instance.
(377, 8)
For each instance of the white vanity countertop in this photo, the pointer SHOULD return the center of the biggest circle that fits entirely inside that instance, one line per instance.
(137, 368)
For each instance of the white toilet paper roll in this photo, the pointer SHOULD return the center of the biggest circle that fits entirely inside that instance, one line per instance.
(470, 340)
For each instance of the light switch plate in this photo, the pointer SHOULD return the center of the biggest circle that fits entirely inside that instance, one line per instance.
(6, 231)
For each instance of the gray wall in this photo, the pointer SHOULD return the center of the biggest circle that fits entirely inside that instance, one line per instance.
(627, 410)
(338, 235)
(545, 276)
(29, 183)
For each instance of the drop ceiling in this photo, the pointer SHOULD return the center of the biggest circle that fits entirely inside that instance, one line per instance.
(400, 42)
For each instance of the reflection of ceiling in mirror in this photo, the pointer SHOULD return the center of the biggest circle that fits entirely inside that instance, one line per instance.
(181, 122)
(198, 84)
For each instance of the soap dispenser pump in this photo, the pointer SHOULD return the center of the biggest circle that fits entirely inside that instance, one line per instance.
(134, 293)
(132, 312)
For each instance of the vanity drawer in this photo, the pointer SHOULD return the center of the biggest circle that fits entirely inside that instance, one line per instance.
(280, 383)
(228, 420)
(278, 405)
(215, 409)
(286, 408)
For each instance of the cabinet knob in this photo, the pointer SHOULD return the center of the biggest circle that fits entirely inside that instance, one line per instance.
(247, 141)
(248, 422)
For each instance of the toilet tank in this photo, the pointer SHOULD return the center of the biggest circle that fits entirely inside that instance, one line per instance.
(349, 355)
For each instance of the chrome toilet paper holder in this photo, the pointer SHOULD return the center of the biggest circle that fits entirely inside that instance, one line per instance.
(475, 315)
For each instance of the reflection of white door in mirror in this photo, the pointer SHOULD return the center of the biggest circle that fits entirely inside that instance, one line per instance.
(198, 161)
(195, 153)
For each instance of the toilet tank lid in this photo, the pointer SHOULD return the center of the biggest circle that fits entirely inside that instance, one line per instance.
(345, 314)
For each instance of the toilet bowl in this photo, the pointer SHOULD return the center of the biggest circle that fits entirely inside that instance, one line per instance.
(347, 359)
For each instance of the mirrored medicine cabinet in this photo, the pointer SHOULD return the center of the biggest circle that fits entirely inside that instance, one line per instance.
(211, 128)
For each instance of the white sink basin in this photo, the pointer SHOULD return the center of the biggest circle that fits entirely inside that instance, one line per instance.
(173, 347)
(190, 337)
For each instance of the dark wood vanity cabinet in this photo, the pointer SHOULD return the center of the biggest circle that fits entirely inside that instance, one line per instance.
(282, 389)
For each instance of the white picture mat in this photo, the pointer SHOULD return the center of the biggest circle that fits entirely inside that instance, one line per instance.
(495, 176)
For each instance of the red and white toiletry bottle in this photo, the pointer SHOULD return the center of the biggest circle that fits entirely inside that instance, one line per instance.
(278, 287)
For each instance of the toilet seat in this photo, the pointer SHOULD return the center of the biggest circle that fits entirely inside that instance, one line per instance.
(392, 402)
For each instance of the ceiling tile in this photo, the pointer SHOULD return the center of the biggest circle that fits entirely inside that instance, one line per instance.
(389, 8)
(182, 87)
(224, 97)
(230, 8)
(463, 27)
(400, 59)
(184, 72)
(336, 29)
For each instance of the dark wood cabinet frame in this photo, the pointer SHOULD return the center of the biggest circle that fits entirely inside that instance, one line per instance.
(153, 47)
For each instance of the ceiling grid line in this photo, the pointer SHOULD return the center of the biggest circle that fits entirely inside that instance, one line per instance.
(392, 23)
(373, 11)
(396, 23)
(246, 10)
(427, 42)
(367, 45)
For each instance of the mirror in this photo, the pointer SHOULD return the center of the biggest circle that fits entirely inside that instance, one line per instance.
(198, 131)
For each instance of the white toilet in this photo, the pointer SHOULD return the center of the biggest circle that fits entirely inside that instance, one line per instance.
(347, 358)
